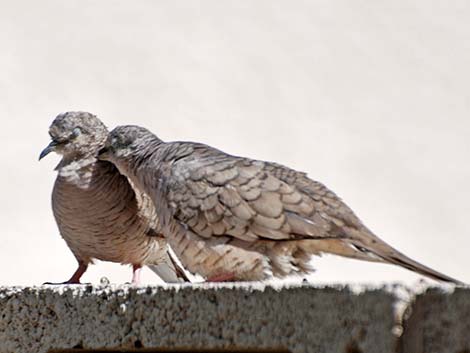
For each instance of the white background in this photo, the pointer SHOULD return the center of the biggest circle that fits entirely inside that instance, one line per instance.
(370, 97)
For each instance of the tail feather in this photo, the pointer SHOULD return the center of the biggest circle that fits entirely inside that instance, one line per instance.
(371, 243)
(169, 270)
(406, 262)
(339, 247)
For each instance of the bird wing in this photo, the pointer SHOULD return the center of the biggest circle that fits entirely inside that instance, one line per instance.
(217, 194)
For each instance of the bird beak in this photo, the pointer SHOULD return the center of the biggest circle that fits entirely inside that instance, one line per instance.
(50, 147)
(103, 154)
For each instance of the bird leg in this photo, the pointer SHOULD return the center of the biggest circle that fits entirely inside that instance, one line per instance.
(136, 274)
(223, 277)
(75, 279)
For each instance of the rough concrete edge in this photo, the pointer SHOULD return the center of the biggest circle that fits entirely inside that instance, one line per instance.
(411, 340)
(355, 288)
(404, 296)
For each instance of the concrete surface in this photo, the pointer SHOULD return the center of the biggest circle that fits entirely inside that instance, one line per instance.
(228, 317)
(439, 322)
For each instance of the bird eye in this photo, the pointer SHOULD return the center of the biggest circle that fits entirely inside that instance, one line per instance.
(76, 132)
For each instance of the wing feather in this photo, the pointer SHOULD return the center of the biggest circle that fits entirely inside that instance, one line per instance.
(215, 194)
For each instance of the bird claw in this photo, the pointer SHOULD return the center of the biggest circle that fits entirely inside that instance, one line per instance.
(63, 283)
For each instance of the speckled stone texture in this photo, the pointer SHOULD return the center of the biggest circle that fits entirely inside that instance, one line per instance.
(439, 322)
(204, 316)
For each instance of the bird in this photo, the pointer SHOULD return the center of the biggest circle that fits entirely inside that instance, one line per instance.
(97, 210)
(231, 218)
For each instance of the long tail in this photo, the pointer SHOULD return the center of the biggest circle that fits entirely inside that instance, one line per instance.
(364, 245)
(366, 242)
(169, 270)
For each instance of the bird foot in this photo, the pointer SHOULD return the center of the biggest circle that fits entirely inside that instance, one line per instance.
(62, 283)
(75, 279)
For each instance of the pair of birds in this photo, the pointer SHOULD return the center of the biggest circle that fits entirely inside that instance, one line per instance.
(125, 195)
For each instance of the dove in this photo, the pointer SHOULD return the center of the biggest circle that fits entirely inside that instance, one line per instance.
(232, 218)
(99, 214)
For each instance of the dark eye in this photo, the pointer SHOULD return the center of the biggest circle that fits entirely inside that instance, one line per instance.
(76, 132)
(114, 141)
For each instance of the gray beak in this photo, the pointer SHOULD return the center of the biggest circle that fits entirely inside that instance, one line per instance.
(50, 147)
(103, 153)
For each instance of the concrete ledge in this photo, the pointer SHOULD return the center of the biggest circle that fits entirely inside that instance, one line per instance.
(438, 322)
(224, 317)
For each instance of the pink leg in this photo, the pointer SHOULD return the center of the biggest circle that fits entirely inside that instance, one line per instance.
(136, 274)
(75, 279)
(224, 277)
(78, 274)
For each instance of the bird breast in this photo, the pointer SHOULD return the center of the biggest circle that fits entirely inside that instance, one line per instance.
(100, 217)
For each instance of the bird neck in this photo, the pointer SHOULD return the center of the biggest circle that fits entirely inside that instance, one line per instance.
(77, 170)
(143, 166)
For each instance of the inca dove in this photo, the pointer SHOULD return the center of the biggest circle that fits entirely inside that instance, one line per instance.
(96, 209)
(233, 218)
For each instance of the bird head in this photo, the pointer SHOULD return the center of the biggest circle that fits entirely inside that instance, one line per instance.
(75, 135)
(126, 145)
(123, 141)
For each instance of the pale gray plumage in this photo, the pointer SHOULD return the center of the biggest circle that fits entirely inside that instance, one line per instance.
(97, 211)
(243, 219)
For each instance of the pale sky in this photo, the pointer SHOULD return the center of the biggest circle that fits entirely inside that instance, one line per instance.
(370, 97)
